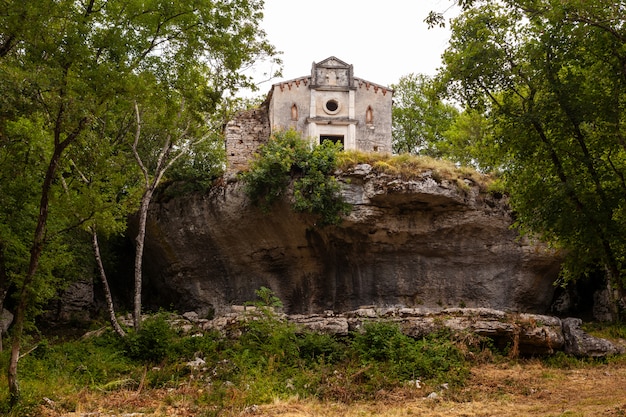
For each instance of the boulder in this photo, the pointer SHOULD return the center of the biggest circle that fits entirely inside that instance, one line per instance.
(580, 343)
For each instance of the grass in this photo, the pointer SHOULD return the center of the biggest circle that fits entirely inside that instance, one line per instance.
(409, 167)
(588, 391)
(610, 331)
(270, 359)
(237, 381)
(273, 367)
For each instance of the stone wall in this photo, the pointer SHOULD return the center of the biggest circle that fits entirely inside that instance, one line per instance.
(375, 135)
(244, 134)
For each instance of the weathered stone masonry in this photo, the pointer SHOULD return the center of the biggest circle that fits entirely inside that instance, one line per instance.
(330, 104)
(244, 134)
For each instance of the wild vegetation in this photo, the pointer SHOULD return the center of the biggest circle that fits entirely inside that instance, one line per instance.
(288, 159)
(264, 358)
(409, 166)
(99, 100)
(261, 362)
(543, 87)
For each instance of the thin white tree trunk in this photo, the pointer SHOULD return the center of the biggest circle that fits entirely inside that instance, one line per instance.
(164, 161)
(105, 284)
(139, 245)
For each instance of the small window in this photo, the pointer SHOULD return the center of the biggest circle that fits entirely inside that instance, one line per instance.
(332, 106)
(294, 112)
(369, 115)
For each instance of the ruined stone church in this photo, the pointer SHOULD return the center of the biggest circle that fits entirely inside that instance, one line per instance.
(330, 104)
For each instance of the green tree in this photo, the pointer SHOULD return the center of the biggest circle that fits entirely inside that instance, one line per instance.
(466, 141)
(550, 77)
(419, 117)
(68, 67)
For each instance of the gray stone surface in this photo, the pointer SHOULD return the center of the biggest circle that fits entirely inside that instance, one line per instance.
(6, 318)
(419, 243)
(579, 343)
(528, 334)
(76, 302)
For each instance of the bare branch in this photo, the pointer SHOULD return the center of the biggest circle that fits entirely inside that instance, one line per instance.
(143, 168)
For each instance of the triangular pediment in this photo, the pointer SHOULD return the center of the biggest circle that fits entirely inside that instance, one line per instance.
(332, 62)
(332, 73)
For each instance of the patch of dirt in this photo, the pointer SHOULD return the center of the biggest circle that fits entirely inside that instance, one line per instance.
(529, 389)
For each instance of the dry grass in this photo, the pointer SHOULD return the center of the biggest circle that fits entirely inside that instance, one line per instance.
(409, 166)
(496, 390)
(529, 389)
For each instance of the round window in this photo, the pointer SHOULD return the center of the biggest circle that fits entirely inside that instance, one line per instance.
(332, 106)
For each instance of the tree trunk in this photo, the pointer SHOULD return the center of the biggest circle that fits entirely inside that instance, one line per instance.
(140, 240)
(163, 163)
(105, 284)
(4, 287)
(26, 291)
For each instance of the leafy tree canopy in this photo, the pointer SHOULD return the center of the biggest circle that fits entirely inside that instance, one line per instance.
(550, 77)
(72, 74)
(287, 159)
(419, 117)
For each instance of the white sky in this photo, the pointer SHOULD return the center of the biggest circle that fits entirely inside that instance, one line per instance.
(383, 39)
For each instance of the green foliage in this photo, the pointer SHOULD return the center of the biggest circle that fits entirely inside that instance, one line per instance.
(267, 299)
(403, 358)
(549, 78)
(419, 118)
(286, 158)
(270, 358)
(197, 171)
(60, 370)
(466, 142)
(71, 76)
(269, 174)
(319, 348)
(267, 358)
(317, 191)
(152, 342)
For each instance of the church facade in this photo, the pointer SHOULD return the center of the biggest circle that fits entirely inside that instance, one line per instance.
(333, 104)
(329, 104)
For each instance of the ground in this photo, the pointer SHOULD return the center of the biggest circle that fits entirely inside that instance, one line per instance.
(526, 388)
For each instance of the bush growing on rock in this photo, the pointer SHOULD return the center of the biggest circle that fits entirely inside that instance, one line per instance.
(287, 159)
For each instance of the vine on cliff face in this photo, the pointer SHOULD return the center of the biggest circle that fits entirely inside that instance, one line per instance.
(288, 159)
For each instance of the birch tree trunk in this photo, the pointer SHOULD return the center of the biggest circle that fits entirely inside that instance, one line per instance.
(151, 182)
(139, 245)
(105, 284)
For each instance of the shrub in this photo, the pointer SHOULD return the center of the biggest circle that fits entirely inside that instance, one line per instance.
(269, 175)
(433, 357)
(318, 348)
(152, 342)
(286, 158)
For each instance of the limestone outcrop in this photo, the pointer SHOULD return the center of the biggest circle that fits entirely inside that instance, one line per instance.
(519, 334)
(425, 242)
(579, 343)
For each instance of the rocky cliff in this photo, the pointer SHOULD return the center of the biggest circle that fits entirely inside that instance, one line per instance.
(424, 242)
